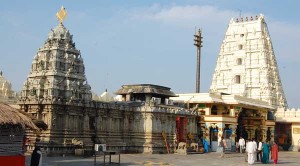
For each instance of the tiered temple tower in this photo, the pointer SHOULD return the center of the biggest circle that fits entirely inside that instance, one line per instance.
(56, 92)
(5, 89)
(57, 72)
(246, 65)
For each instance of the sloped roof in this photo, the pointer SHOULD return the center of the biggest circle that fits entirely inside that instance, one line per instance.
(146, 88)
(11, 116)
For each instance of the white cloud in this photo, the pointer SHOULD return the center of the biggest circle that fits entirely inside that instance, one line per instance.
(285, 35)
(185, 15)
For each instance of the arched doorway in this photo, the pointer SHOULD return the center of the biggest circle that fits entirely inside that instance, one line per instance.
(213, 137)
(249, 124)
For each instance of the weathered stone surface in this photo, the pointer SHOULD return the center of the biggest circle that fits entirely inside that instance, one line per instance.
(56, 91)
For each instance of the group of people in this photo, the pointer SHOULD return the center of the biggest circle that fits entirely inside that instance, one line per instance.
(258, 151)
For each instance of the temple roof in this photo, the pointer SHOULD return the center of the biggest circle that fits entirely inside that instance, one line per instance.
(146, 89)
(59, 32)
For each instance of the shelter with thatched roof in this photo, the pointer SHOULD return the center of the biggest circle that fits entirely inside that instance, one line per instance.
(12, 143)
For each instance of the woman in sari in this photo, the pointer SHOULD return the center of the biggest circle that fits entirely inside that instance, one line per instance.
(274, 152)
(265, 153)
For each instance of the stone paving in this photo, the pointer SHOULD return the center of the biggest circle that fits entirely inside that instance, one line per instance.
(209, 159)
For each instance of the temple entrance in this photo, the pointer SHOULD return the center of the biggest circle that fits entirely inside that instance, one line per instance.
(249, 124)
(213, 136)
(227, 136)
(283, 135)
(181, 133)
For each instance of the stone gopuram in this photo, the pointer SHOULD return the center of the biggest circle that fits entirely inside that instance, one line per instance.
(246, 65)
(7, 95)
(56, 91)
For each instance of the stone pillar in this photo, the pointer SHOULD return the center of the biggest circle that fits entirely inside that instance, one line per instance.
(233, 136)
(126, 123)
(272, 134)
(148, 145)
(128, 96)
(264, 133)
(98, 121)
(86, 121)
(148, 98)
(148, 123)
(66, 121)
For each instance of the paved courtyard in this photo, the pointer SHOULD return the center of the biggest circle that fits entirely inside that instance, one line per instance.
(232, 159)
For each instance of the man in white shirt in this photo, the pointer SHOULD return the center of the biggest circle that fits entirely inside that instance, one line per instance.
(241, 144)
(259, 149)
(251, 150)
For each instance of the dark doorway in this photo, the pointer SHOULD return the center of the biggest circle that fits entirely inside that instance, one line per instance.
(181, 132)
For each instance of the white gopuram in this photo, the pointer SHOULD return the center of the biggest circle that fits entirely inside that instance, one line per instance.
(246, 65)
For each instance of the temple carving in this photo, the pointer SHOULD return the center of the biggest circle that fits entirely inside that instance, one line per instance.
(246, 64)
(56, 92)
(6, 92)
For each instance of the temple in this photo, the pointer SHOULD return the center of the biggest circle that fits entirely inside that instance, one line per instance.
(246, 88)
(231, 116)
(7, 95)
(245, 93)
(57, 92)
(246, 64)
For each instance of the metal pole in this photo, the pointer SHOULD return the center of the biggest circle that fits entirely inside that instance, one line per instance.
(198, 71)
(198, 44)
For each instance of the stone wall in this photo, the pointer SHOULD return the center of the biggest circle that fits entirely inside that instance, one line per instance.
(291, 116)
(127, 127)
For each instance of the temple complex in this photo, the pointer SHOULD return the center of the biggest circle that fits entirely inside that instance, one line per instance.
(57, 92)
(245, 93)
(288, 128)
(246, 64)
(229, 115)
(246, 89)
(7, 95)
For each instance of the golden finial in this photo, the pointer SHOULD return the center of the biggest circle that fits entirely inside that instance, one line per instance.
(61, 15)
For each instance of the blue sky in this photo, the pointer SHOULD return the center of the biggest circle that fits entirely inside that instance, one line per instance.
(134, 41)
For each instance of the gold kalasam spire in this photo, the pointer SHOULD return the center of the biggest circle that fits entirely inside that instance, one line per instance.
(61, 15)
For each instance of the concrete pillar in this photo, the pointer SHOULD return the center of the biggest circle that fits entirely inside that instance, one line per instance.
(232, 112)
(208, 111)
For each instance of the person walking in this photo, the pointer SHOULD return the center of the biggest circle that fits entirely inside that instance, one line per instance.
(36, 157)
(242, 144)
(246, 153)
(259, 149)
(251, 149)
(265, 153)
(221, 146)
(274, 152)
